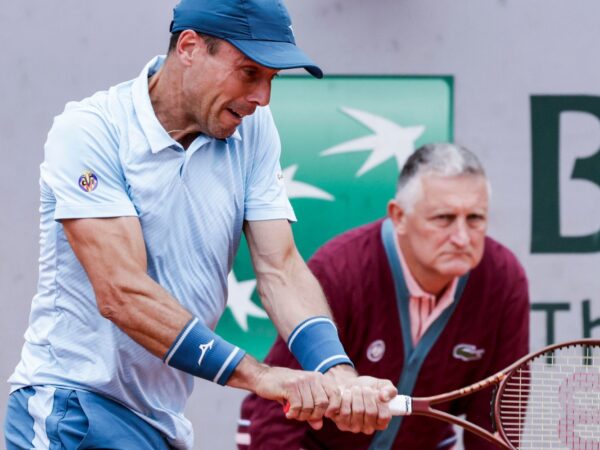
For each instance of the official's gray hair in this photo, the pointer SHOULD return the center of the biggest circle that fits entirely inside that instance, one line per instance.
(443, 159)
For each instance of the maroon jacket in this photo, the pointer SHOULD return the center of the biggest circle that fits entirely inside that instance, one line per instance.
(492, 314)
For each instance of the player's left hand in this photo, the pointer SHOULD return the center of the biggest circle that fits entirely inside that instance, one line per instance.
(363, 406)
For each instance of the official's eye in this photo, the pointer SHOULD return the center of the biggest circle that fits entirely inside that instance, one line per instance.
(476, 220)
(443, 219)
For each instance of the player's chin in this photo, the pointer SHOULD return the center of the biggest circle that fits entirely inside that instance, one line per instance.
(223, 131)
(223, 125)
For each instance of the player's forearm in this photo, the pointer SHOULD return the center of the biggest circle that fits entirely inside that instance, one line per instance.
(143, 310)
(113, 254)
(288, 290)
(292, 297)
(291, 294)
(150, 316)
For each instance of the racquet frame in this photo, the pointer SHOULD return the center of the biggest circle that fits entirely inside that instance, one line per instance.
(423, 405)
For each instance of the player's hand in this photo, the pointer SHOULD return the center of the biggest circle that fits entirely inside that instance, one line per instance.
(306, 395)
(364, 401)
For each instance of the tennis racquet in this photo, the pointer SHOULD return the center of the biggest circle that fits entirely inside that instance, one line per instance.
(549, 399)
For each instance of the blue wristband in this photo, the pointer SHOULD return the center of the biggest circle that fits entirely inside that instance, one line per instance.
(316, 345)
(200, 352)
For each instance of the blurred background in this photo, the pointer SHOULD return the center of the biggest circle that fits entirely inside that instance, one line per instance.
(516, 81)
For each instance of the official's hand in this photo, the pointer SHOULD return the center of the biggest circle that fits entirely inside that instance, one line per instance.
(364, 401)
(307, 395)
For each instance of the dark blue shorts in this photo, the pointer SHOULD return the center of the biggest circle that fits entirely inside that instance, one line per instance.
(45, 417)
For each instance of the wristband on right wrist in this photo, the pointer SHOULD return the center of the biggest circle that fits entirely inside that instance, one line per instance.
(199, 351)
(316, 345)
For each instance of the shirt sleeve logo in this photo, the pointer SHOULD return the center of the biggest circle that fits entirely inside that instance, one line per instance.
(88, 181)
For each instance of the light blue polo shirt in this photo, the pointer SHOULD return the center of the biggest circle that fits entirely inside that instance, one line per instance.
(109, 156)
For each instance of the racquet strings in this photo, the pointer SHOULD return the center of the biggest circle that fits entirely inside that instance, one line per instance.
(553, 401)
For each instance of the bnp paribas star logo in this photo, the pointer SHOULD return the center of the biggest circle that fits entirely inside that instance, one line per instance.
(388, 140)
(344, 140)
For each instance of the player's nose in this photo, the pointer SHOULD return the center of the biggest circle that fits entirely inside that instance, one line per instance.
(261, 94)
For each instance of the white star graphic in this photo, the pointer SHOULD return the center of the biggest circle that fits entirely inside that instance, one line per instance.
(298, 189)
(389, 140)
(240, 303)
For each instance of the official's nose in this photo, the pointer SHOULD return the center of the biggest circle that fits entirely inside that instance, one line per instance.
(460, 236)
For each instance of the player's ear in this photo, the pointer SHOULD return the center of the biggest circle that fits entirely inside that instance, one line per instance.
(398, 215)
(188, 43)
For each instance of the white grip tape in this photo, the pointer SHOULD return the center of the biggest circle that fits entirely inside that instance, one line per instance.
(401, 405)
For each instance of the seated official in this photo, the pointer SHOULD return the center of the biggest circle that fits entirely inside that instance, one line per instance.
(422, 297)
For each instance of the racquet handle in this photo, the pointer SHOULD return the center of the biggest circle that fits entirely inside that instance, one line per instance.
(401, 405)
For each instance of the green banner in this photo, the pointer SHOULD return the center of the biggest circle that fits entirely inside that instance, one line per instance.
(344, 140)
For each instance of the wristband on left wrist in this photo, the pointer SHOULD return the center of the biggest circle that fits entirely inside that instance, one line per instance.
(316, 345)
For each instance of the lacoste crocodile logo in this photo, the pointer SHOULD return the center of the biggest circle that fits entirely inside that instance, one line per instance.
(203, 349)
(467, 352)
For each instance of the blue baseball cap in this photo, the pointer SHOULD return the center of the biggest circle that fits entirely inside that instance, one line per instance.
(260, 29)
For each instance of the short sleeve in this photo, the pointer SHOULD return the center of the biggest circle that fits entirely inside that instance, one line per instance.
(266, 197)
(82, 168)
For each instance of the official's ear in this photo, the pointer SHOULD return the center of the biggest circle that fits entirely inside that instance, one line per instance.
(398, 216)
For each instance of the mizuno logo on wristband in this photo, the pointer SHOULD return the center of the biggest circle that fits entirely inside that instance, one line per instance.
(218, 366)
(203, 349)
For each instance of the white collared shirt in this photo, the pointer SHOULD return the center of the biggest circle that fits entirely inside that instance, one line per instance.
(109, 156)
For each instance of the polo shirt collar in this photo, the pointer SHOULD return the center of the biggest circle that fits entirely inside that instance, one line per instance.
(157, 136)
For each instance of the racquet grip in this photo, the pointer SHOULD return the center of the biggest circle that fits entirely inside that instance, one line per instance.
(401, 405)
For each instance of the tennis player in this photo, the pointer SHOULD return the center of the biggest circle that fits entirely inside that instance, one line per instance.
(422, 298)
(145, 191)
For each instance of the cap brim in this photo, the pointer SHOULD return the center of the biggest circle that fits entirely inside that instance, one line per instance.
(276, 55)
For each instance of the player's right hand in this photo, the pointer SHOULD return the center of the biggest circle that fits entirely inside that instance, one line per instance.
(364, 406)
